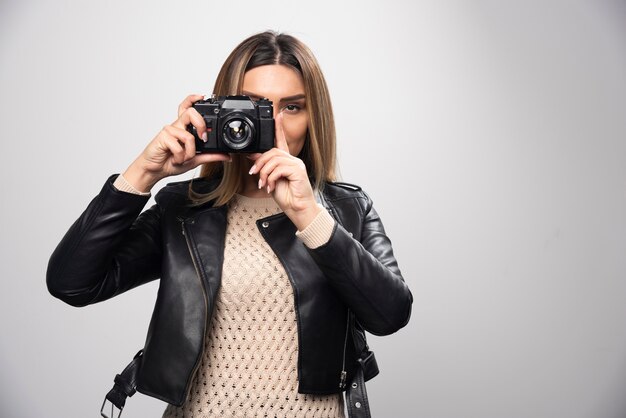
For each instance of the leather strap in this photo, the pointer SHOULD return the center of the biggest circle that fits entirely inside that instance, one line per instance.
(356, 394)
(125, 386)
(356, 397)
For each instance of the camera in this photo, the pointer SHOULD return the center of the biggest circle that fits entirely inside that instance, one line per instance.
(235, 124)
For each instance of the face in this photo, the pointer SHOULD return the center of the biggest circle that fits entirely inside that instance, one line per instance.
(285, 88)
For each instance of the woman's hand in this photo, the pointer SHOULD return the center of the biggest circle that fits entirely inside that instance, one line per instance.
(285, 176)
(172, 151)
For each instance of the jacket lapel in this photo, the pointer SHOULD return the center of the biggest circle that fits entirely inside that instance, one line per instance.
(207, 231)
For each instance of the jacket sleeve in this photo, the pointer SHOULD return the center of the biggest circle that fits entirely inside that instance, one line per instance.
(366, 274)
(111, 248)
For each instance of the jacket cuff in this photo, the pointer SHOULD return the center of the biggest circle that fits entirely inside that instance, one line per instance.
(318, 232)
(123, 185)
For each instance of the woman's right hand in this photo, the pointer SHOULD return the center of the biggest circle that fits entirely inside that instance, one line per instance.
(172, 151)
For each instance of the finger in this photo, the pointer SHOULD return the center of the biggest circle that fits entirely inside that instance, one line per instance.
(253, 157)
(293, 169)
(190, 147)
(279, 173)
(281, 140)
(188, 102)
(186, 139)
(265, 157)
(270, 166)
(191, 116)
(174, 147)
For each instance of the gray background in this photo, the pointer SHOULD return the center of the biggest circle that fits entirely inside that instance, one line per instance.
(491, 136)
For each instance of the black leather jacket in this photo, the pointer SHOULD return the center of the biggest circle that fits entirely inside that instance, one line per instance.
(350, 283)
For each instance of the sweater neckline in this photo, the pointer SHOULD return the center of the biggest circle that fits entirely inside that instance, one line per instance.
(257, 202)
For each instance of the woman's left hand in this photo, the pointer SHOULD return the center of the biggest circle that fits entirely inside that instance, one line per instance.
(285, 177)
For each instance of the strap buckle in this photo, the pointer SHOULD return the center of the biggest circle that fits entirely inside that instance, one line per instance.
(368, 363)
(102, 413)
(125, 386)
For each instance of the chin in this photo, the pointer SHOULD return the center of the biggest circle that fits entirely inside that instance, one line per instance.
(296, 150)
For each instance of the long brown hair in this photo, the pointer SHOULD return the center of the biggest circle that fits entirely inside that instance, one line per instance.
(318, 153)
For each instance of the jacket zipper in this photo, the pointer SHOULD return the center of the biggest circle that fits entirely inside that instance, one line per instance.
(206, 303)
(344, 373)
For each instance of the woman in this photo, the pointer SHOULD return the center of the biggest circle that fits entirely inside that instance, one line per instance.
(269, 270)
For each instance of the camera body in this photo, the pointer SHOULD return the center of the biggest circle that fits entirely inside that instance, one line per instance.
(235, 124)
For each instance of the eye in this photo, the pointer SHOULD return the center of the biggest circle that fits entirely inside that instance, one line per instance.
(292, 108)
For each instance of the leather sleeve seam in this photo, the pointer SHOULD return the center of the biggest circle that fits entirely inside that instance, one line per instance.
(355, 283)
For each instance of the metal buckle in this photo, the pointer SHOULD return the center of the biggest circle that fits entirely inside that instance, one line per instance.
(112, 408)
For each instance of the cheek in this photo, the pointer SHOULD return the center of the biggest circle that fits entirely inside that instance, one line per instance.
(295, 131)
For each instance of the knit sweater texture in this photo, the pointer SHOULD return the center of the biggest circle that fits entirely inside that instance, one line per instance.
(249, 362)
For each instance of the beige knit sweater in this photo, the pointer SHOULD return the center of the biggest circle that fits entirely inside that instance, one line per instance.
(249, 363)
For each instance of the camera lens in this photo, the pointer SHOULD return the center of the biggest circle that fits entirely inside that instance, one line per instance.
(238, 133)
(237, 130)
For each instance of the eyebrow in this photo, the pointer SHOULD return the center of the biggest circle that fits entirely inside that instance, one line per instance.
(284, 99)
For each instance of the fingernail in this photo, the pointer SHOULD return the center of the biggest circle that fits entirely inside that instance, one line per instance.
(260, 183)
(252, 169)
(204, 137)
(268, 189)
